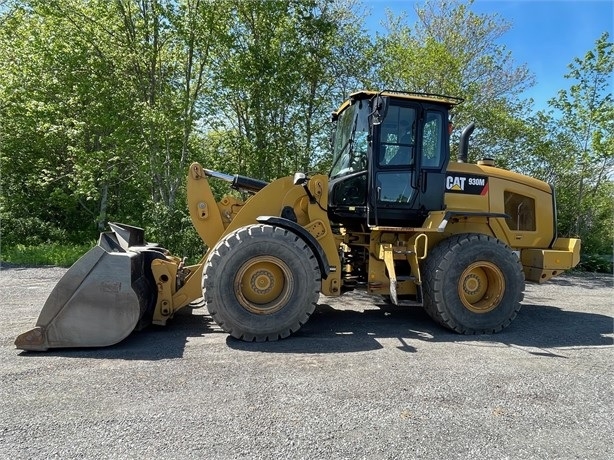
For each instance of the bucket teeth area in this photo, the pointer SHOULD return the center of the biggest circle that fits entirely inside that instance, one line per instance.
(32, 340)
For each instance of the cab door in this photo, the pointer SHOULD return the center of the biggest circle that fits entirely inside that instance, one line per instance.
(432, 161)
(406, 178)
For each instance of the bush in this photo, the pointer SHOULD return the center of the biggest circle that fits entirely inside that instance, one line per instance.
(596, 263)
(29, 231)
(173, 230)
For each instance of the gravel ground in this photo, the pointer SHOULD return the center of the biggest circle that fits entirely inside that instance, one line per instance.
(360, 380)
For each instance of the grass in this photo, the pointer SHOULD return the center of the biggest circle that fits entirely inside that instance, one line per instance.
(61, 255)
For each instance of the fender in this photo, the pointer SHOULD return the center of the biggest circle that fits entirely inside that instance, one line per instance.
(304, 235)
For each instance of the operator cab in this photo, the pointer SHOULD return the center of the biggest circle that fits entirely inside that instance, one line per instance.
(390, 152)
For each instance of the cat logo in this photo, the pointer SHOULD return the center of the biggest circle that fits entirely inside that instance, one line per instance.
(455, 183)
(468, 184)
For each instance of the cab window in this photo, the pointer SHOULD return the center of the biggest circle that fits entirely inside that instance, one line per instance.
(398, 137)
(432, 140)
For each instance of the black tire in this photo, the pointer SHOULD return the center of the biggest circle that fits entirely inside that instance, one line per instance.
(261, 283)
(473, 284)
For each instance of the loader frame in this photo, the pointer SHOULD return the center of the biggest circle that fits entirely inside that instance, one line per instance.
(395, 217)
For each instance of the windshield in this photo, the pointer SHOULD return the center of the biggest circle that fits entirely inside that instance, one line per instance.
(350, 140)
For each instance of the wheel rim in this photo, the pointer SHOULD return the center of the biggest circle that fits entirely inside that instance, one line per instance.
(263, 285)
(481, 287)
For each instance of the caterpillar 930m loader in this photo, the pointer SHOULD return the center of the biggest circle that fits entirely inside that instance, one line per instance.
(394, 216)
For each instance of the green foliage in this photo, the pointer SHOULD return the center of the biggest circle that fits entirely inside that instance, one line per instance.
(61, 255)
(30, 231)
(572, 147)
(597, 263)
(172, 229)
(278, 77)
(453, 50)
(103, 105)
(586, 120)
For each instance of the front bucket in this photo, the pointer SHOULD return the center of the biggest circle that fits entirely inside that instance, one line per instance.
(99, 300)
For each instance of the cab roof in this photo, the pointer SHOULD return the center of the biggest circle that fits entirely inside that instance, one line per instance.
(449, 101)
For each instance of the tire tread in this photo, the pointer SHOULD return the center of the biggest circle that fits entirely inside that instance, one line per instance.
(440, 260)
(228, 244)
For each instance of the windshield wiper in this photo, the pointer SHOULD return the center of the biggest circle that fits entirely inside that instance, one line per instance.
(345, 146)
(349, 143)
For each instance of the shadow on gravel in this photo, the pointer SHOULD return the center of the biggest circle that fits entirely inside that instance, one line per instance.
(329, 330)
(537, 328)
(151, 344)
(342, 331)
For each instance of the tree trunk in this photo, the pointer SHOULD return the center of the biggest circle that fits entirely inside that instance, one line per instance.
(104, 200)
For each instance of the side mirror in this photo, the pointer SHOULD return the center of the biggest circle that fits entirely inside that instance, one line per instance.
(380, 108)
(300, 178)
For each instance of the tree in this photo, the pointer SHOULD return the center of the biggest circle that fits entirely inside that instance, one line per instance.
(104, 103)
(585, 117)
(279, 78)
(572, 147)
(453, 50)
(104, 99)
(59, 150)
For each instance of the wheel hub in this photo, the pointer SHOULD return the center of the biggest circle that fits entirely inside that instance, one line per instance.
(263, 285)
(471, 284)
(481, 287)
(263, 282)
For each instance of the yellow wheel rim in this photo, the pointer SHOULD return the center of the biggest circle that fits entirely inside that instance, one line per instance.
(263, 285)
(481, 287)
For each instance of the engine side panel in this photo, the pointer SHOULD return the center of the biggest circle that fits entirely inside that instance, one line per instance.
(526, 202)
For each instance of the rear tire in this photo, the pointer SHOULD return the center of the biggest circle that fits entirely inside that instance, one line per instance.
(261, 283)
(474, 284)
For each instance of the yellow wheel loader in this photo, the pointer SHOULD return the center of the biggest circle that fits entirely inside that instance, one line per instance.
(395, 217)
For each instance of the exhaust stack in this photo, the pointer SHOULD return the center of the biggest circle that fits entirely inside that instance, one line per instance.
(463, 148)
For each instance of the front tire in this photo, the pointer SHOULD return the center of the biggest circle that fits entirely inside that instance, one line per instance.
(474, 284)
(261, 283)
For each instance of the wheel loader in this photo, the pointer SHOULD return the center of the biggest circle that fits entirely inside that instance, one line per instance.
(395, 217)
